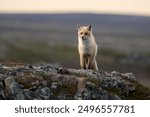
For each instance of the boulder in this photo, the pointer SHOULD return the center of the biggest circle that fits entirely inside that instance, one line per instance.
(47, 82)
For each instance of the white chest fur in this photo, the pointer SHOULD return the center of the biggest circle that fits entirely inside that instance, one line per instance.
(86, 46)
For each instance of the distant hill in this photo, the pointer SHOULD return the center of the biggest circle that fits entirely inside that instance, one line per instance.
(116, 31)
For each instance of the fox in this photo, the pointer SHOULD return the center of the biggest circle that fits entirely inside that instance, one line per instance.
(87, 48)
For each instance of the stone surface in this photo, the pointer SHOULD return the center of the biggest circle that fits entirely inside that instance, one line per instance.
(47, 82)
(12, 89)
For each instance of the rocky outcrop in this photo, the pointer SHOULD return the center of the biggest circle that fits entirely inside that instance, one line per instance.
(48, 82)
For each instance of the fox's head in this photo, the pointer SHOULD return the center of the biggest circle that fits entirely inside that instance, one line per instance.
(84, 32)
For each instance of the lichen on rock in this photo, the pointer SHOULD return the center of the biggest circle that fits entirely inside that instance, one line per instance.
(47, 82)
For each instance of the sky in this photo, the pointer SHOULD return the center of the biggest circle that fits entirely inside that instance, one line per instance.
(133, 7)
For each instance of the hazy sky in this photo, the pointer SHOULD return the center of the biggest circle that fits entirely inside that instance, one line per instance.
(135, 7)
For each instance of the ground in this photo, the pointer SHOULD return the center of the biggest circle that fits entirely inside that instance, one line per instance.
(50, 82)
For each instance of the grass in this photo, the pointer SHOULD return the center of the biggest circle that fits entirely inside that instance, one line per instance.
(140, 93)
(34, 53)
(110, 52)
(30, 52)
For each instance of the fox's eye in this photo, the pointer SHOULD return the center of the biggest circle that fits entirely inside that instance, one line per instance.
(86, 34)
(81, 33)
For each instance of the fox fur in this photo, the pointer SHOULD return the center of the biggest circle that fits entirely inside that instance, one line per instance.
(87, 48)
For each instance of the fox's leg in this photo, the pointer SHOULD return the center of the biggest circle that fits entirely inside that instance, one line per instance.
(95, 65)
(90, 62)
(82, 62)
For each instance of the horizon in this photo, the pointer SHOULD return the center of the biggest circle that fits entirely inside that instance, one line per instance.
(76, 13)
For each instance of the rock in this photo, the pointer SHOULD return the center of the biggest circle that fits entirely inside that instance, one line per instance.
(116, 74)
(13, 73)
(93, 92)
(129, 76)
(46, 82)
(62, 71)
(29, 95)
(54, 86)
(78, 96)
(2, 77)
(2, 95)
(44, 93)
(30, 66)
(132, 88)
(35, 83)
(12, 89)
(113, 97)
(129, 89)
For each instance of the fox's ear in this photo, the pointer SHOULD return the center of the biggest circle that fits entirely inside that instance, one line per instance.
(89, 27)
(79, 27)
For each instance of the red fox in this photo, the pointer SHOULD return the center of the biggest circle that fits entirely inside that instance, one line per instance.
(87, 48)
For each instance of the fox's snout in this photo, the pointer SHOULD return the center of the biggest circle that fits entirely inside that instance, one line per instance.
(84, 36)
